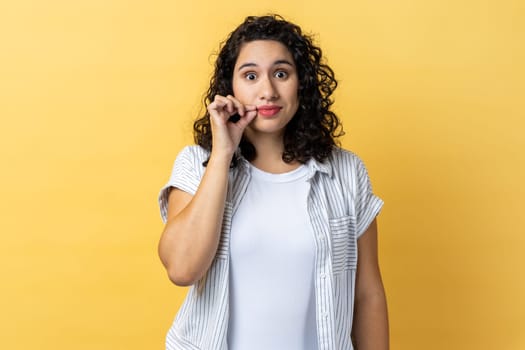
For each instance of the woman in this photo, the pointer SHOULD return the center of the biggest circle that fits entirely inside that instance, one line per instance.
(262, 217)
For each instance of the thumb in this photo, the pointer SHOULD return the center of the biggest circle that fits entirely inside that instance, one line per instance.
(247, 118)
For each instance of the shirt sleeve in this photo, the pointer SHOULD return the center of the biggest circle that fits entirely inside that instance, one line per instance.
(184, 176)
(367, 204)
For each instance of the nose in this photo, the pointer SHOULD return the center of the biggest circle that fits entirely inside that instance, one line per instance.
(268, 90)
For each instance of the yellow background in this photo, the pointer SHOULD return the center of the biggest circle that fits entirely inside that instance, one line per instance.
(97, 97)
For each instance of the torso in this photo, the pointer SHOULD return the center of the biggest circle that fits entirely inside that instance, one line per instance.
(272, 256)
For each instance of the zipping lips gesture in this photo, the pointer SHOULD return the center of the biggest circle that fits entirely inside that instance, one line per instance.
(229, 118)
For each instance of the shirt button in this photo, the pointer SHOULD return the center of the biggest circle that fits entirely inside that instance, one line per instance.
(323, 275)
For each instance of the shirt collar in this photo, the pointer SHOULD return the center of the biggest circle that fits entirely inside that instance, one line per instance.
(312, 164)
(317, 166)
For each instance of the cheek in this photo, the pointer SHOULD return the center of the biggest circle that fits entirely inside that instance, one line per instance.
(238, 90)
(292, 95)
(294, 91)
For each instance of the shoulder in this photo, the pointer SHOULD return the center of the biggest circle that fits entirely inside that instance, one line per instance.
(189, 162)
(193, 152)
(343, 160)
(347, 169)
(192, 155)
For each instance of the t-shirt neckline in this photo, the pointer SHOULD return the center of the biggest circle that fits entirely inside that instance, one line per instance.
(289, 176)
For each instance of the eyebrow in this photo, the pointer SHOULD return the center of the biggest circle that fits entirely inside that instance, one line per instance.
(251, 64)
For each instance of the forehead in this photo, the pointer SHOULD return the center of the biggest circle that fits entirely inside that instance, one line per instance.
(263, 52)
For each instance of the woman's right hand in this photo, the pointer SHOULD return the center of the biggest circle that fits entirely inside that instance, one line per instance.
(192, 233)
(226, 135)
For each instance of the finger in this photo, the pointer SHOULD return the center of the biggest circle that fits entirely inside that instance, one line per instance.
(239, 107)
(250, 108)
(247, 118)
(221, 104)
(228, 104)
(216, 105)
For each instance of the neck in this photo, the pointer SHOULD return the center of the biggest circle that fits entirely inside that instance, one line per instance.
(269, 154)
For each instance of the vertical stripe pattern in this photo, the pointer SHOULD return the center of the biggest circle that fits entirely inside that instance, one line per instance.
(341, 206)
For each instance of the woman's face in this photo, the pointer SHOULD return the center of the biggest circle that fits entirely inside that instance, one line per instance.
(265, 75)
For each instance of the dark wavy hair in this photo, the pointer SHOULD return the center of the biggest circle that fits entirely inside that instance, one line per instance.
(313, 129)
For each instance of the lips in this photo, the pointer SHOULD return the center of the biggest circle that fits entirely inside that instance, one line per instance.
(268, 110)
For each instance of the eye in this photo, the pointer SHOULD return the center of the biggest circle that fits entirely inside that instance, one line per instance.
(281, 74)
(250, 76)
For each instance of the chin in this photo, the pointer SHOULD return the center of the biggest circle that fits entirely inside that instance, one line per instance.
(266, 127)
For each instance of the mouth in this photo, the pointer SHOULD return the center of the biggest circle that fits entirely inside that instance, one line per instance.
(268, 110)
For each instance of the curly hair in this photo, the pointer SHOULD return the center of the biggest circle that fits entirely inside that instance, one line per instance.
(314, 127)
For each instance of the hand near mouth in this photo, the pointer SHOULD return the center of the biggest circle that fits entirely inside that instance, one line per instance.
(236, 117)
(228, 119)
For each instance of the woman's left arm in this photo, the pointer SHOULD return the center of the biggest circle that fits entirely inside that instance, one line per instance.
(370, 325)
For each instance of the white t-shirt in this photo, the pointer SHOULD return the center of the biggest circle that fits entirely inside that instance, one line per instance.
(272, 252)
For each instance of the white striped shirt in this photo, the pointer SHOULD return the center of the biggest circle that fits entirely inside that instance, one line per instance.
(340, 205)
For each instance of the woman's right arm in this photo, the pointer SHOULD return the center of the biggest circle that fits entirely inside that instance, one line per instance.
(192, 232)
